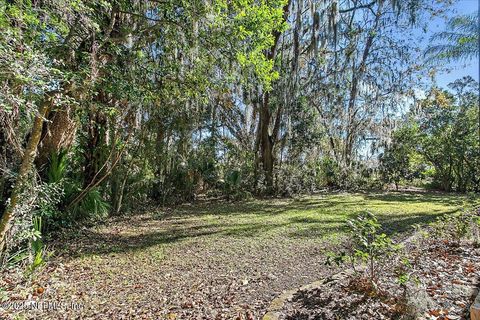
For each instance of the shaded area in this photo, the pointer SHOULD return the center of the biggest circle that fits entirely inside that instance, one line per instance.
(447, 280)
(314, 217)
(314, 300)
(216, 258)
(106, 243)
(444, 198)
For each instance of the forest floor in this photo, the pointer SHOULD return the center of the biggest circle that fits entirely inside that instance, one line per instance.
(209, 260)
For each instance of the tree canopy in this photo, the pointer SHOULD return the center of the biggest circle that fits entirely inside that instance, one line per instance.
(105, 105)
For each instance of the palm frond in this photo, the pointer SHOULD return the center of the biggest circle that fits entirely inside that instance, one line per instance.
(459, 43)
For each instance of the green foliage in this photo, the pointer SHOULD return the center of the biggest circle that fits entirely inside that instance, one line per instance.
(405, 274)
(255, 24)
(30, 68)
(367, 245)
(164, 101)
(91, 207)
(50, 197)
(16, 257)
(449, 137)
(57, 167)
(458, 227)
(32, 256)
(233, 180)
(36, 245)
(330, 172)
(3, 295)
(458, 42)
(397, 160)
(440, 143)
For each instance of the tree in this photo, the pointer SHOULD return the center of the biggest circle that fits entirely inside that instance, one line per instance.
(395, 160)
(449, 137)
(442, 129)
(106, 69)
(458, 42)
(28, 81)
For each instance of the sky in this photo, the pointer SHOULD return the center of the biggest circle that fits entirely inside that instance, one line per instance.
(458, 69)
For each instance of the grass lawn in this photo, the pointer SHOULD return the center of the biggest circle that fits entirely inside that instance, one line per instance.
(317, 217)
(218, 259)
(322, 215)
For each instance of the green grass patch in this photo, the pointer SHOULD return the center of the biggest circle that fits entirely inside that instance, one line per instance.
(311, 218)
(321, 215)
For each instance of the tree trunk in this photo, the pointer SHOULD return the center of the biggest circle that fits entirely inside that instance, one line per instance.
(9, 152)
(266, 143)
(266, 140)
(93, 152)
(25, 168)
(57, 134)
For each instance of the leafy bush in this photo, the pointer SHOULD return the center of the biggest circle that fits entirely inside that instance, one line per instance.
(40, 201)
(233, 186)
(295, 179)
(457, 227)
(50, 196)
(367, 247)
(330, 171)
(91, 207)
(57, 167)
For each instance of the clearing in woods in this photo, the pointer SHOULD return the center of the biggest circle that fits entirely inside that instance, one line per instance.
(217, 259)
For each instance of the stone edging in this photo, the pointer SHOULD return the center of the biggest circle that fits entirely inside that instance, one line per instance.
(475, 308)
(277, 305)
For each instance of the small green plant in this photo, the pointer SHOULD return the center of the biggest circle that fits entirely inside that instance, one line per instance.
(36, 245)
(465, 225)
(93, 206)
(3, 295)
(405, 274)
(57, 167)
(369, 243)
(367, 246)
(16, 257)
(420, 231)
